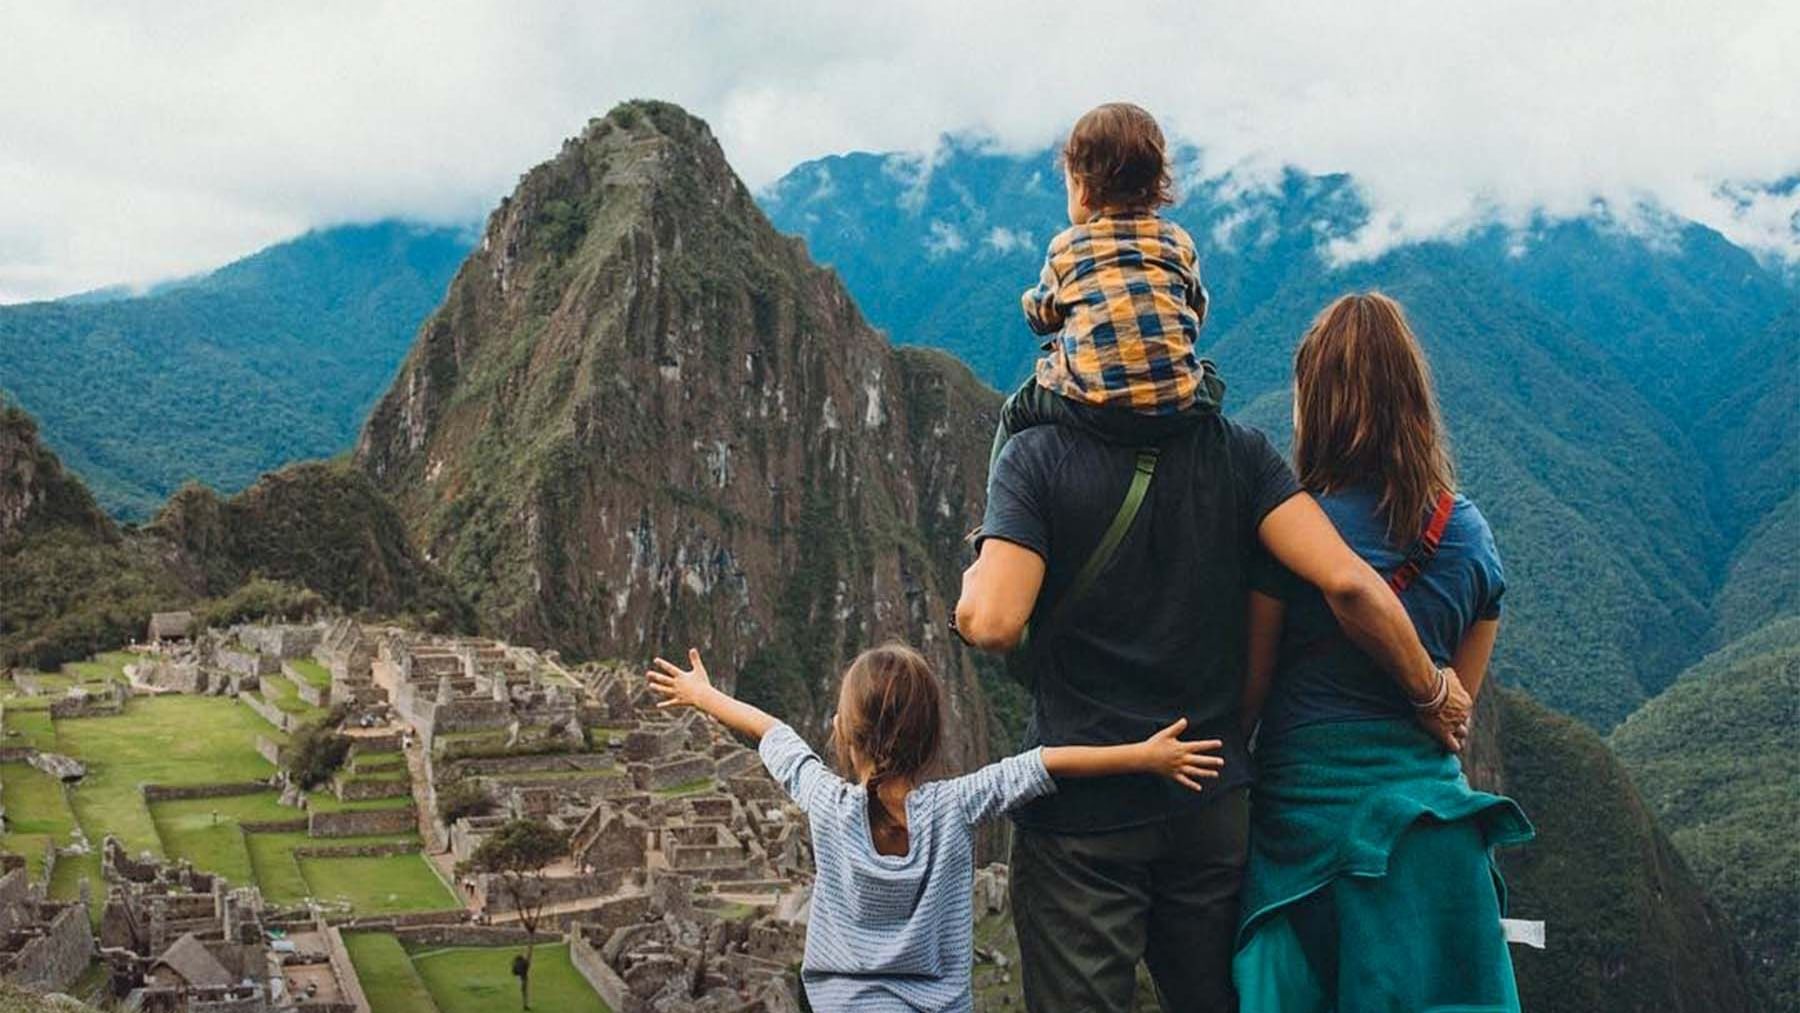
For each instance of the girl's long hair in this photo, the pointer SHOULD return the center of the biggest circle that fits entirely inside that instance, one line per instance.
(891, 715)
(1366, 414)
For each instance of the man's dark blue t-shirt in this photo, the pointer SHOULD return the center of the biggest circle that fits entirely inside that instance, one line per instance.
(1160, 634)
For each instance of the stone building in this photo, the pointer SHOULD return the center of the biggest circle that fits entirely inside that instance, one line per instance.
(43, 944)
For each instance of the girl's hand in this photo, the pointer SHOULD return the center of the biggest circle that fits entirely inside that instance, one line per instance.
(678, 687)
(1186, 763)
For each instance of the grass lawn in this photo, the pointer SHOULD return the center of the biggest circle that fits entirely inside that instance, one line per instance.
(109, 667)
(282, 692)
(478, 979)
(188, 829)
(158, 740)
(389, 884)
(314, 673)
(28, 724)
(278, 871)
(36, 813)
(694, 787)
(387, 974)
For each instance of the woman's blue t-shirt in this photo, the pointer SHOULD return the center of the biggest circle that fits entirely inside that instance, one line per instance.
(1321, 675)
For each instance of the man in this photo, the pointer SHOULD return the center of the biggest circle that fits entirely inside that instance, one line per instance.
(1109, 871)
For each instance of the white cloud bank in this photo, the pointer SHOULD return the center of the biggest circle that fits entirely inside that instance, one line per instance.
(142, 141)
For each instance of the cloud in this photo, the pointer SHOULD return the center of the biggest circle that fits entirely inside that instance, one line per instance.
(1001, 239)
(944, 238)
(149, 140)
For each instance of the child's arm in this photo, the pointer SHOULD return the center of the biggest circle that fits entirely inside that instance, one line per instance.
(1039, 303)
(1163, 754)
(1016, 780)
(692, 688)
(790, 761)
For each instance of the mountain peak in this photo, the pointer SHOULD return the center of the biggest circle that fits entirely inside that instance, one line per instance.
(642, 419)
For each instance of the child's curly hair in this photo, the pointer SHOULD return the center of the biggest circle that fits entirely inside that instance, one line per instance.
(1117, 153)
(890, 716)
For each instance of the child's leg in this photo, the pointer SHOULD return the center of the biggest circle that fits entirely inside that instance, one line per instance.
(1030, 405)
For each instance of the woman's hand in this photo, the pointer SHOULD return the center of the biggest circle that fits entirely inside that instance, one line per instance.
(681, 687)
(1186, 763)
(1448, 722)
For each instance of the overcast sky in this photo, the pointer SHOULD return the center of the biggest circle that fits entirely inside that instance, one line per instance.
(141, 141)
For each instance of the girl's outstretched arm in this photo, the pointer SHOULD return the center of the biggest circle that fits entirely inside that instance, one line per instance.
(1163, 754)
(692, 688)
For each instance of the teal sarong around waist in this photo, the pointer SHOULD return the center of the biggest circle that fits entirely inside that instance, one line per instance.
(1372, 827)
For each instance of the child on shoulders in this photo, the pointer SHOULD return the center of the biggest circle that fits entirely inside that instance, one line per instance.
(892, 922)
(1120, 294)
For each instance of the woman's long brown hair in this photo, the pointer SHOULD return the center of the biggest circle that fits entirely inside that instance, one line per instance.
(1365, 412)
(891, 715)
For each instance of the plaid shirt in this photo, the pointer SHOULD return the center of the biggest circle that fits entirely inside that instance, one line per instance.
(1123, 296)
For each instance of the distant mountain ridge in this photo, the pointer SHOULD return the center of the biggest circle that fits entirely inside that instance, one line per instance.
(219, 378)
(1616, 399)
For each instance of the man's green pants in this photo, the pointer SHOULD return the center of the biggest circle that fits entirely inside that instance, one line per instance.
(1088, 907)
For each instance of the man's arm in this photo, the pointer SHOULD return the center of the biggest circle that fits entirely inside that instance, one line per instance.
(1302, 538)
(999, 590)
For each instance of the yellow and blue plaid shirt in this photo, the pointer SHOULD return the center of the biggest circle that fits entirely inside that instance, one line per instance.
(1123, 296)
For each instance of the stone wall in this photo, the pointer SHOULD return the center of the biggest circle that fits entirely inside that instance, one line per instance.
(245, 662)
(355, 789)
(464, 935)
(15, 890)
(269, 712)
(345, 970)
(53, 961)
(170, 792)
(673, 773)
(381, 850)
(269, 749)
(584, 953)
(280, 641)
(296, 825)
(361, 822)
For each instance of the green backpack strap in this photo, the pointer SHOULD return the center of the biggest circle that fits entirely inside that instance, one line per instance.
(1142, 472)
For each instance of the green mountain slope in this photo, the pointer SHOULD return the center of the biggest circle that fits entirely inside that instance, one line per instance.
(73, 583)
(1627, 927)
(1718, 757)
(272, 359)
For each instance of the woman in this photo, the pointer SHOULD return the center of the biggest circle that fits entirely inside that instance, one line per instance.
(1370, 884)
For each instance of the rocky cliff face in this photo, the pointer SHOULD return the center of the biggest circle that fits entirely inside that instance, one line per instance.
(642, 419)
(36, 493)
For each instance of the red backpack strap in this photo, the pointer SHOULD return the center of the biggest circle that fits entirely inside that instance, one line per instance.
(1426, 547)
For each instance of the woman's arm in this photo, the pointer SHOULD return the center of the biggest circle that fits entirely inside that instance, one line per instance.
(1266, 615)
(1163, 754)
(1299, 535)
(692, 688)
(1473, 653)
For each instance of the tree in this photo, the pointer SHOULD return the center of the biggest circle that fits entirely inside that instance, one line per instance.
(517, 855)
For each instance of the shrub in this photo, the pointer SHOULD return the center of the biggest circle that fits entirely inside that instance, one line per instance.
(460, 798)
(315, 753)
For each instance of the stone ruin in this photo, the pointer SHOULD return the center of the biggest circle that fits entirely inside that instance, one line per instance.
(44, 945)
(687, 866)
(175, 938)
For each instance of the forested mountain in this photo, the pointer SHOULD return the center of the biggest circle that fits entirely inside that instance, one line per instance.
(272, 359)
(1717, 755)
(1620, 393)
(72, 582)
